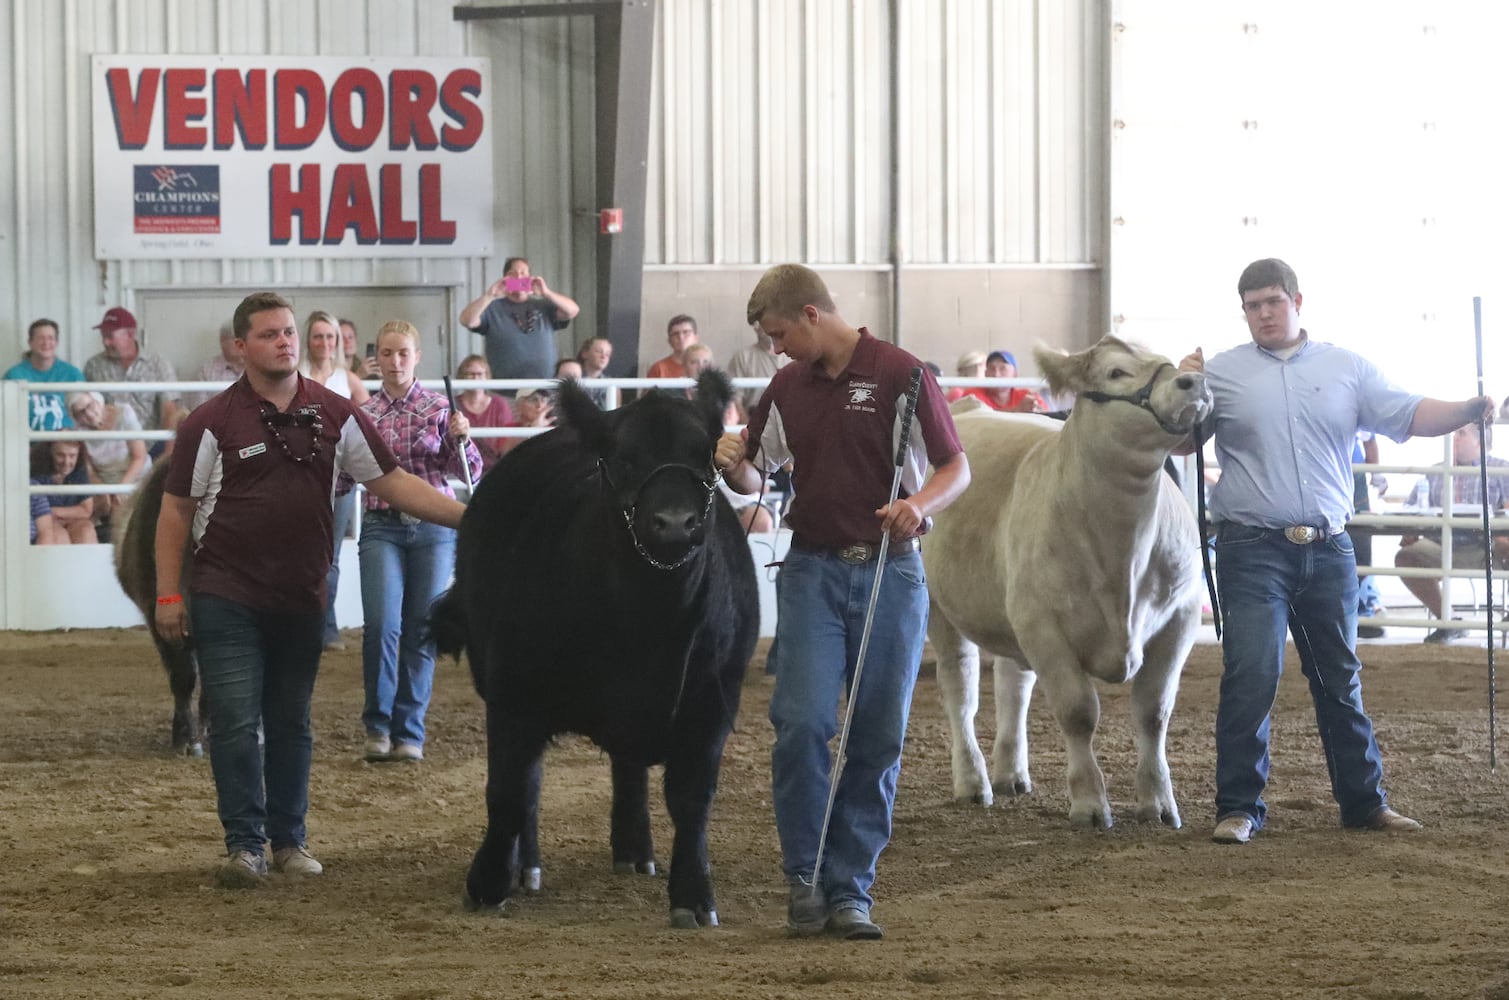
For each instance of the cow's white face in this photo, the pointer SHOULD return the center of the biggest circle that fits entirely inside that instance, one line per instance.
(1143, 387)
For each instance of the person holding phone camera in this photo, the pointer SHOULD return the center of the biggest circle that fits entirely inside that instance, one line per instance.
(517, 317)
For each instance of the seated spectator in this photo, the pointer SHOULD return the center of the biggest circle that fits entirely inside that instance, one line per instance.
(43, 528)
(568, 368)
(594, 356)
(695, 360)
(483, 408)
(41, 363)
(123, 361)
(1016, 399)
(1467, 549)
(114, 461)
(758, 360)
(531, 409)
(971, 365)
(226, 366)
(57, 463)
(680, 333)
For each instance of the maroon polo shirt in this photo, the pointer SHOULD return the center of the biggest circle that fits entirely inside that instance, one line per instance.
(263, 531)
(841, 433)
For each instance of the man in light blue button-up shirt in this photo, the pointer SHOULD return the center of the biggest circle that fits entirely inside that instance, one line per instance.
(1286, 411)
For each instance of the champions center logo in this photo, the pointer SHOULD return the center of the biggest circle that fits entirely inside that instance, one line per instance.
(177, 199)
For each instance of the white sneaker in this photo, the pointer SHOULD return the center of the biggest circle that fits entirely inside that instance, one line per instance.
(242, 870)
(379, 747)
(296, 861)
(1234, 829)
(407, 752)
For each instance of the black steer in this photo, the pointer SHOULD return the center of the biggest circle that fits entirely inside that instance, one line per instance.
(604, 587)
(136, 569)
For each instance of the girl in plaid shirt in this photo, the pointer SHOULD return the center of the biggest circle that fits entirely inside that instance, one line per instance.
(406, 563)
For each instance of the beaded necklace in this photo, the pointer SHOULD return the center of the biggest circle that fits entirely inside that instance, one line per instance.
(304, 416)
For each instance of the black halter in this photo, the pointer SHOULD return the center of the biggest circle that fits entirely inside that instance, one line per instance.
(710, 484)
(1142, 398)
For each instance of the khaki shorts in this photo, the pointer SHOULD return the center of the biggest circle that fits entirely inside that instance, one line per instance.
(1428, 553)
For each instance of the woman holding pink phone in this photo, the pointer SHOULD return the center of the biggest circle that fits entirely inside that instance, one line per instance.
(517, 317)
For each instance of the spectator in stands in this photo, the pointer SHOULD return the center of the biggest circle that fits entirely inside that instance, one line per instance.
(594, 356)
(758, 360)
(116, 461)
(63, 463)
(532, 409)
(123, 361)
(680, 333)
(226, 366)
(1018, 399)
(568, 368)
(363, 364)
(695, 360)
(483, 408)
(43, 528)
(971, 365)
(517, 317)
(325, 362)
(41, 363)
(1467, 549)
(406, 562)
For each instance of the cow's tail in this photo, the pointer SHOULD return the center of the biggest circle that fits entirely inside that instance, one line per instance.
(447, 624)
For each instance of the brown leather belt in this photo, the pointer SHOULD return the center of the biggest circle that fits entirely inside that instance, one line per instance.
(857, 552)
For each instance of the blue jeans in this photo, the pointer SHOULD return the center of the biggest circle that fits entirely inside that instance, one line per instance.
(821, 604)
(345, 506)
(404, 568)
(258, 669)
(1269, 585)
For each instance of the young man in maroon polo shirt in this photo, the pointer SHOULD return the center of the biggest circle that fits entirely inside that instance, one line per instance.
(252, 481)
(835, 412)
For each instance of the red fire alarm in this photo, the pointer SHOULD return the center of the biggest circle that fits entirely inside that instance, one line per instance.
(610, 221)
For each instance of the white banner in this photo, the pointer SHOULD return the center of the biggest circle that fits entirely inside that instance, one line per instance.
(253, 156)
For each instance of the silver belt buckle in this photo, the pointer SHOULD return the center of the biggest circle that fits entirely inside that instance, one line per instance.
(1302, 534)
(859, 552)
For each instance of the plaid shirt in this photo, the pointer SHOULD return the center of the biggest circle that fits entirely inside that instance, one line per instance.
(146, 368)
(1467, 487)
(414, 426)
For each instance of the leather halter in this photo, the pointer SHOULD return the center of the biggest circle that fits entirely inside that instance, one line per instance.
(1142, 398)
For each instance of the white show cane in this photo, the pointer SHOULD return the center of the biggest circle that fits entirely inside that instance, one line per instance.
(466, 466)
(1477, 329)
(912, 391)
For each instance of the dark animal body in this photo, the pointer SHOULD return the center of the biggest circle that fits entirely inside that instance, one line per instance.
(604, 587)
(136, 569)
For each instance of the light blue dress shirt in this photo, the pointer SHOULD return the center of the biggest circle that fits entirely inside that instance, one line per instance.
(1284, 431)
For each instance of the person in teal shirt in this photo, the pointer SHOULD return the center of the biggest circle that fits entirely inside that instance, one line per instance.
(41, 363)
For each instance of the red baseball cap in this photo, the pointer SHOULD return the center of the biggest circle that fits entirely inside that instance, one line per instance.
(117, 319)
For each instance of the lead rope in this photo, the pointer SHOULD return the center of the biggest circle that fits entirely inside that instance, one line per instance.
(1210, 577)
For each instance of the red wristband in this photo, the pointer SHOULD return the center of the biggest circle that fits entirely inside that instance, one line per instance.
(171, 599)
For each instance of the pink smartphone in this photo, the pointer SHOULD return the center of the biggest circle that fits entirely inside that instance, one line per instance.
(525, 285)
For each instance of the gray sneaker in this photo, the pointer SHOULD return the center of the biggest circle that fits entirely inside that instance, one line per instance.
(806, 911)
(242, 870)
(1442, 636)
(851, 921)
(296, 861)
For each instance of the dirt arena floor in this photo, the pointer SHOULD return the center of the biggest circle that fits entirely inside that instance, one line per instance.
(108, 843)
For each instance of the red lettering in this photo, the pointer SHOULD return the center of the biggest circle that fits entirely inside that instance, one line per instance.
(456, 100)
(412, 96)
(353, 83)
(132, 115)
(179, 108)
(290, 88)
(240, 104)
(351, 205)
(433, 226)
(284, 200)
(395, 228)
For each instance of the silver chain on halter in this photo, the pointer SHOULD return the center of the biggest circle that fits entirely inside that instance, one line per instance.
(710, 484)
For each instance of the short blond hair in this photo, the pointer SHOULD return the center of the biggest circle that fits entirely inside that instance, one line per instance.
(784, 290)
(402, 327)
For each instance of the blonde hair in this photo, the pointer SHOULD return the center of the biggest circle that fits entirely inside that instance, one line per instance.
(784, 290)
(402, 327)
(321, 316)
(472, 359)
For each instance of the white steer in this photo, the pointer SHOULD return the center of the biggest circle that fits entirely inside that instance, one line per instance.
(1074, 557)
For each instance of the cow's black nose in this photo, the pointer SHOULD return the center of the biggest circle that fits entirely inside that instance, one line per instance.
(674, 525)
(1185, 381)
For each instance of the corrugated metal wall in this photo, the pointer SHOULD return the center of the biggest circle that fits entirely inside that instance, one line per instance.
(543, 145)
(770, 136)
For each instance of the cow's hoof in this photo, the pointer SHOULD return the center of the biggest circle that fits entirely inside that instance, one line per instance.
(506, 907)
(975, 796)
(529, 879)
(1012, 789)
(683, 919)
(188, 749)
(1090, 819)
(1167, 815)
(634, 868)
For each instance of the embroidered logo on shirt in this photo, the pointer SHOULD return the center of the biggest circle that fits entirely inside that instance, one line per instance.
(860, 394)
(254, 449)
